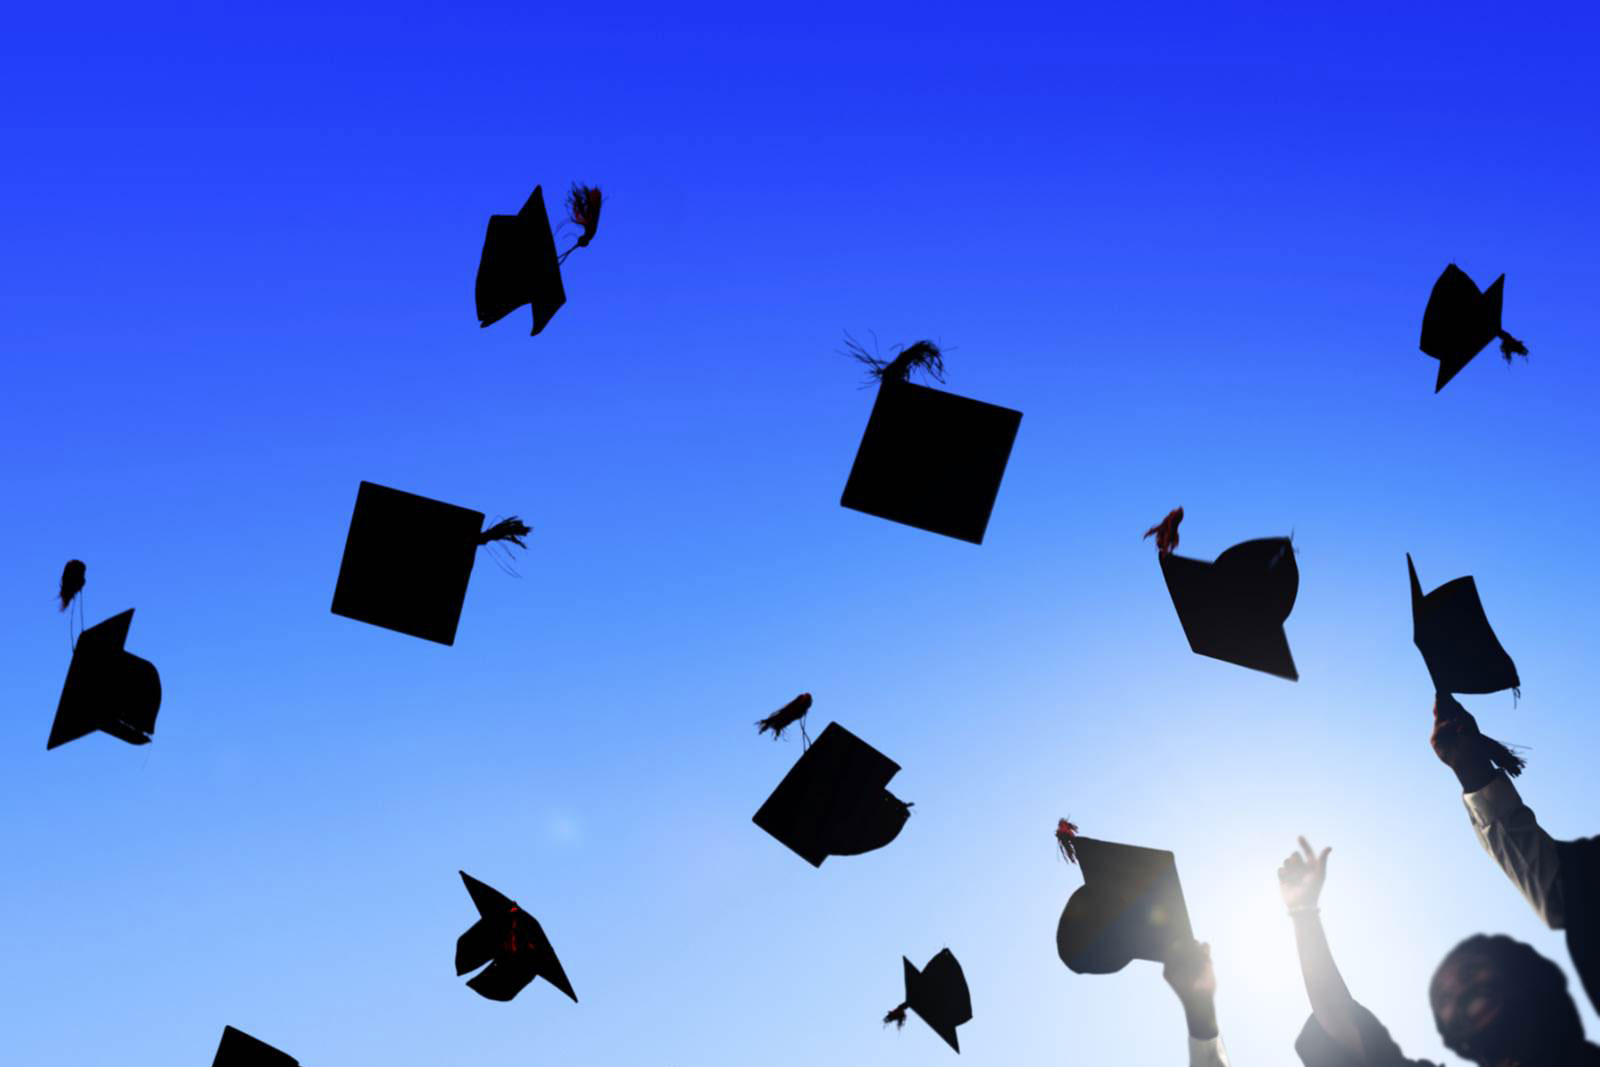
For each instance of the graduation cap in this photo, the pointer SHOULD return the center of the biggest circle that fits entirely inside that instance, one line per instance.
(511, 942)
(938, 994)
(1130, 907)
(107, 688)
(519, 264)
(1460, 321)
(833, 801)
(407, 561)
(1233, 609)
(1460, 649)
(239, 1049)
(929, 459)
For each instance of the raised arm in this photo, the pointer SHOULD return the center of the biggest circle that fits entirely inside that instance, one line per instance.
(1188, 971)
(1506, 827)
(1300, 881)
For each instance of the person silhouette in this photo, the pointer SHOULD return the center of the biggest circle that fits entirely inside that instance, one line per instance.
(1496, 1002)
(1559, 879)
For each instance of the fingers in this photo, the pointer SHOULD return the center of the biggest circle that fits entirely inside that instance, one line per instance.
(1322, 862)
(1310, 856)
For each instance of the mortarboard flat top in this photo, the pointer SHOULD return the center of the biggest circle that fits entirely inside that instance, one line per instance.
(239, 1049)
(939, 995)
(1453, 634)
(406, 563)
(511, 942)
(1459, 321)
(107, 688)
(1130, 907)
(1234, 609)
(932, 460)
(833, 801)
(519, 266)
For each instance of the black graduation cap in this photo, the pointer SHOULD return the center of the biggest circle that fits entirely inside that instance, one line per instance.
(511, 942)
(519, 266)
(1130, 907)
(938, 994)
(833, 801)
(929, 459)
(1234, 609)
(1453, 634)
(1460, 321)
(107, 688)
(1462, 653)
(239, 1049)
(407, 561)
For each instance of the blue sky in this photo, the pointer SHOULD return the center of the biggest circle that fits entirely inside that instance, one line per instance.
(1191, 245)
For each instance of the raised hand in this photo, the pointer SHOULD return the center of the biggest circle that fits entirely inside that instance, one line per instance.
(1459, 745)
(1301, 876)
(1188, 971)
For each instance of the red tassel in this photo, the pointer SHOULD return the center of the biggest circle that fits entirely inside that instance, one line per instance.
(72, 579)
(784, 717)
(1166, 532)
(1065, 832)
(898, 1017)
(583, 207)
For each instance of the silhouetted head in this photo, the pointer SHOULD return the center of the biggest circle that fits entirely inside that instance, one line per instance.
(1499, 1003)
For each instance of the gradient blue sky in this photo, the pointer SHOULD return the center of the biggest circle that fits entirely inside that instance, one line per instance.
(1191, 242)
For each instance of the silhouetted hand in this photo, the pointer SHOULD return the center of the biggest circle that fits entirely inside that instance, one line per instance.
(1459, 745)
(1188, 971)
(1301, 876)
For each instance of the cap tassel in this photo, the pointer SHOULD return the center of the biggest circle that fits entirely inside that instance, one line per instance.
(1502, 756)
(1510, 346)
(1065, 833)
(1166, 532)
(583, 208)
(1448, 709)
(72, 579)
(786, 716)
(897, 1016)
(512, 529)
(924, 356)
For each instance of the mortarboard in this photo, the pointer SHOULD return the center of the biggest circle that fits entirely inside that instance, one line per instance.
(1460, 321)
(407, 561)
(107, 688)
(511, 942)
(239, 1049)
(833, 801)
(928, 458)
(1234, 609)
(519, 264)
(1130, 907)
(938, 994)
(1457, 644)
(1462, 653)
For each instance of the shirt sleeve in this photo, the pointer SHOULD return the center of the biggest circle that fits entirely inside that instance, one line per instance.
(1508, 831)
(1207, 1053)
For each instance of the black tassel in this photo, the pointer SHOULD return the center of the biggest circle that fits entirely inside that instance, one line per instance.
(922, 356)
(786, 716)
(1503, 757)
(897, 1016)
(512, 529)
(72, 579)
(1510, 346)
